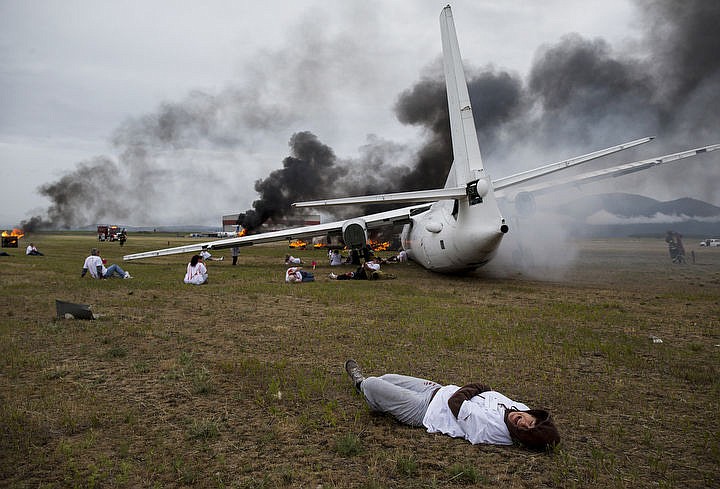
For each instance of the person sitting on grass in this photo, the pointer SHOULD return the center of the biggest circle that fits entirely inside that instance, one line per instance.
(32, 250)
(335, 258)
(94, 264)
(196, 273)
(474, 412)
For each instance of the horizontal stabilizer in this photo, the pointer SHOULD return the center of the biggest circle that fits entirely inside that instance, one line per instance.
(525, 176)
(614, 171)
(396, 198)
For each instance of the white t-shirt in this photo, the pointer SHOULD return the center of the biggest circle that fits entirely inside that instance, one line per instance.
(91, 263)
(29, 249)
(196, 275)
(293, 275)
(374, 266)
(480, 420)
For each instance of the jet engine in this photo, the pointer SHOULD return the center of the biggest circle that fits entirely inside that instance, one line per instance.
(354, 233)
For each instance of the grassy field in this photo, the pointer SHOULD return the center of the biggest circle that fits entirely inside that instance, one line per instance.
(240, 383)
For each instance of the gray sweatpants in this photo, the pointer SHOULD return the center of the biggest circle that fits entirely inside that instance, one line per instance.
(406, 398)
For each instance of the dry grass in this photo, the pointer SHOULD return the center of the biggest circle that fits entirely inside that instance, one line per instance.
(240, 383)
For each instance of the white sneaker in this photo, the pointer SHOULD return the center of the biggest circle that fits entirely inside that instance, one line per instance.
(332, 276)
(127, 275)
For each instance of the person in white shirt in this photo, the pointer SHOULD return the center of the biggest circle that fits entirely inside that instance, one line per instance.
(94, 264)
(370, 270)
(291, 260)
(205, 254)
(474, 412)
(297, 274)
(32, 250)
(372, 266)
(196, 273)
(335, 258)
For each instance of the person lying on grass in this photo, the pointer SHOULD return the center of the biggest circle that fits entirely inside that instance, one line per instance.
(474, 412)
(297, 274)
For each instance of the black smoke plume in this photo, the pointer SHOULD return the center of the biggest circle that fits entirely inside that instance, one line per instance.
(304, 174)
(314, 172)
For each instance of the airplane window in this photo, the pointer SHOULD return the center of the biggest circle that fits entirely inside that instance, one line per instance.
(456, 206)
(442, 244)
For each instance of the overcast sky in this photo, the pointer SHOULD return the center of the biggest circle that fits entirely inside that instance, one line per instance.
(78, 78)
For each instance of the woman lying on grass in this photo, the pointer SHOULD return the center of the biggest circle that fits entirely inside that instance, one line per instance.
(474, 412)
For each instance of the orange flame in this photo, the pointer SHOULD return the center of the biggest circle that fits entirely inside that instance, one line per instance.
(242, 233)
(319, 245)
(298, 243)
(18, 233)
(378, 246)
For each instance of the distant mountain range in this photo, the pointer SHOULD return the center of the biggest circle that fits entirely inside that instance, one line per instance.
(632, 205)
(621, 214)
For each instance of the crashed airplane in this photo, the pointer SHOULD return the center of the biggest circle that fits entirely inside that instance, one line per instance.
(458, 227)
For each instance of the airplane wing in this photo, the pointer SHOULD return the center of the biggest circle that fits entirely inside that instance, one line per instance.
(399, 197)
(372, 221)
(614, 171)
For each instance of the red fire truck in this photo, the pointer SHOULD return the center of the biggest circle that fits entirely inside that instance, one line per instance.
(107, 233)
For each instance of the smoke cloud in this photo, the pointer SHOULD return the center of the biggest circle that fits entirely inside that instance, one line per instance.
(162, 160)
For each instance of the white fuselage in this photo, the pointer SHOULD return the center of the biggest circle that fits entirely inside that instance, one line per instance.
(443, 241)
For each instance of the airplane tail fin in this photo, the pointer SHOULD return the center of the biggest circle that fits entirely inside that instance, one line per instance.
(467, 165)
